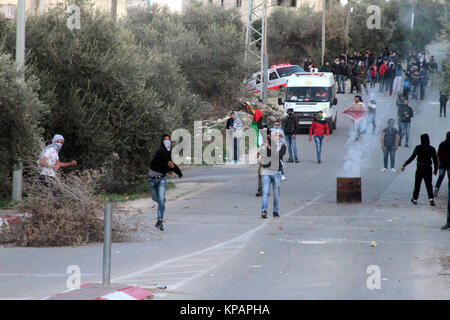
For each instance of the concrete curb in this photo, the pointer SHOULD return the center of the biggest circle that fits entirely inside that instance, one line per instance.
(96, 291)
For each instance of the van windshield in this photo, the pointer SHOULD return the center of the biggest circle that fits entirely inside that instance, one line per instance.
(288, 71)
(307, 94)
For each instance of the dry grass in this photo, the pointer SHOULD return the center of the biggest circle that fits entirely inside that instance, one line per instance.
(64, 212)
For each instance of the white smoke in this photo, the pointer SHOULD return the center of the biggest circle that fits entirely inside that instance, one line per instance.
(358, 152)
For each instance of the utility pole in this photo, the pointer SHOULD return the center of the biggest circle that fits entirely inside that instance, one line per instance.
(323, 31)
(265, 61)
(347, 26)
(114, 9)
(20, 63)
(256, 42)
(413, 8)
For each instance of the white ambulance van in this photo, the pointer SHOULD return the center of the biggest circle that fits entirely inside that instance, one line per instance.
(308, 93)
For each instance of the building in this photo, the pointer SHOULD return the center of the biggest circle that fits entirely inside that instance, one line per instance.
(241, 5)
(8, 7)
(174, 5)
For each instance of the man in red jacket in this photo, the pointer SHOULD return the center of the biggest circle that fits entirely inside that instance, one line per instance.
(382, 70)
(317, 128)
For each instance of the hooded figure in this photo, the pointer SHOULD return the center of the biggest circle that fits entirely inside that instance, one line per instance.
(426, 157)
(371, 110)
(51, 154)
(444, 162)
(160, 165)
(49, 157)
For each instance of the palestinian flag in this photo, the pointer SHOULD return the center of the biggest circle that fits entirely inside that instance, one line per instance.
(257, 124)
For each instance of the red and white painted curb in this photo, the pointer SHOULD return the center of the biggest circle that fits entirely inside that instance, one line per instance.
(9, 220)
(92, 291)
(129, 293)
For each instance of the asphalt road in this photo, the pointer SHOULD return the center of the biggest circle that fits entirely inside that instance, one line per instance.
(216, 246)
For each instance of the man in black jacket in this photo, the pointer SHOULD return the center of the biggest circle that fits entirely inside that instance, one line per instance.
(307, 64)
(426, 157)
(444, 165)
(161, 165)
(326, 67)
(444, 160)
(341, 72)
(443, 98)
(290, 130)
(405, 113)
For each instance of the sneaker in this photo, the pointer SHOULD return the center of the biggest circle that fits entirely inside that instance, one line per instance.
(393, 170)
(159, 225)
(259, 194)
(446, 226)
(296, 160)
(264, 214)
(414, 201)
(383, 169)
(283, 178)
(290, 160)
(435, 193)
(275, 214)
(432, 202)
(406, 146)
(318, 161)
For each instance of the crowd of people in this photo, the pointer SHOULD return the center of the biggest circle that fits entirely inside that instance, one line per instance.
(367, 69)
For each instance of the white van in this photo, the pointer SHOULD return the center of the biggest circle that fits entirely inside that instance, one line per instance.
(278, 76)
(307, 93)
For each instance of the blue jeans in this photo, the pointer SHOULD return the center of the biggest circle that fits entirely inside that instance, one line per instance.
(267, 180)
(381, 83)
(368, 77)
(404, 130)
(340, 78)
(389, 151)
(158, 192)
(361, 126)
(414, 92)
(318, 140)
(371, 121)
(291, 144)
(423, 86)
(388, 82)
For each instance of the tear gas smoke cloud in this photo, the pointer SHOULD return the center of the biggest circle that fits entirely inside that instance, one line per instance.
(358, 153)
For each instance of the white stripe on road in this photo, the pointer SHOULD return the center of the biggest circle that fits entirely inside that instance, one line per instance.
(197, 255)
(43, 275)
